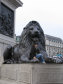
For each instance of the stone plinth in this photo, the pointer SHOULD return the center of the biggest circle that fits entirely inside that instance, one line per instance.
(32, 73)
(7, 24)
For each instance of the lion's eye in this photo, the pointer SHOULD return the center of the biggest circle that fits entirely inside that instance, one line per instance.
(31, 28)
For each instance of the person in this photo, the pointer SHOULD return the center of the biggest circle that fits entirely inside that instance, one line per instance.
(35, 54)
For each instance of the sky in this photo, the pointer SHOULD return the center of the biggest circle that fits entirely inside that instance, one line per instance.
(49, 14)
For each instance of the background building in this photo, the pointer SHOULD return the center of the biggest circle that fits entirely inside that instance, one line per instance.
(17, 39)
(54, 45)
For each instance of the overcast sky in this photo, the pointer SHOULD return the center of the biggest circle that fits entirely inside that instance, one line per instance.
(49, 13)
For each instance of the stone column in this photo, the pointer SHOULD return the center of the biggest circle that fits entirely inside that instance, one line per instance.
(7, 23)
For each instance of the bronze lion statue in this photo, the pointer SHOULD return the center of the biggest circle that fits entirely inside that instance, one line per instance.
(31, 34)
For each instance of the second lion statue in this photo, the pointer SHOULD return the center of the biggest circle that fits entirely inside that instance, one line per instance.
(21, 53)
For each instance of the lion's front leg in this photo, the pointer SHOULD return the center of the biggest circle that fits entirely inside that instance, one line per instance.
(24, 59)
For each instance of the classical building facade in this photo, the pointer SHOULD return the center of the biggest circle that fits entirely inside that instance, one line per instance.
(54, 45)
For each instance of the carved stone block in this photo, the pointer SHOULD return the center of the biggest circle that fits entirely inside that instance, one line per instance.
(6, 20)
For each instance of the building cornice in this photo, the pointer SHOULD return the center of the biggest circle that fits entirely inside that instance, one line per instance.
(16, 3)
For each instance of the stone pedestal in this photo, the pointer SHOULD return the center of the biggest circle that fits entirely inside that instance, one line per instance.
(31, 74)
(7, 24)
